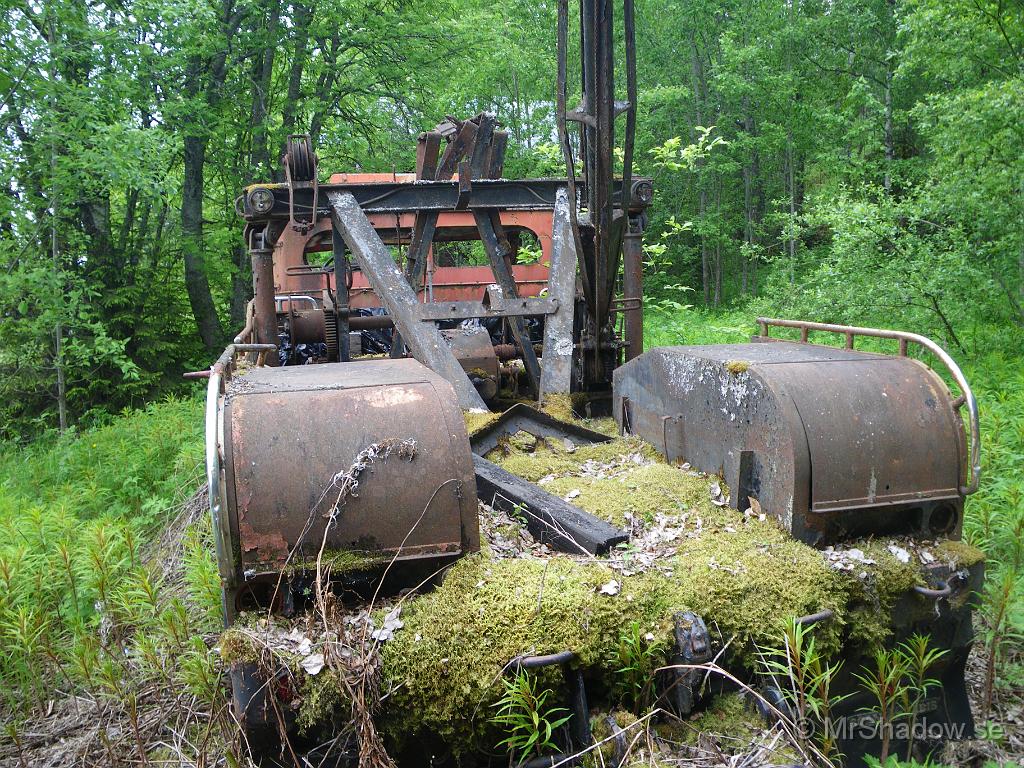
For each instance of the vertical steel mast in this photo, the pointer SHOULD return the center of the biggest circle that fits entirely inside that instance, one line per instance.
(600, 217)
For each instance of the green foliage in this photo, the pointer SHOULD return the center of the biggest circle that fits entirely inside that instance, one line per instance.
(638, 655)
(898, 683)
(524, 713)
(894, 762)
(804, 677)
(81, 604)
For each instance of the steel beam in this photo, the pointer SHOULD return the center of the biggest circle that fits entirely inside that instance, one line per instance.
(388, 282)
(466, 310)
(439, 195)
(493, 238)
(633, 287)
(556, 376)
(262, 259)
(551, 520)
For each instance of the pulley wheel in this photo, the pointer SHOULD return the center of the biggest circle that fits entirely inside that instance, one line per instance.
(300, 158)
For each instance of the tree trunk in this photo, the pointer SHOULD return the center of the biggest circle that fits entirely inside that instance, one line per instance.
(241, 288)
(260, 165)
(697, 78)
(301, 19)
(196, 282)
(890, 152)
(718, 244)
(751, 172)
(890, 42)
(791, 225)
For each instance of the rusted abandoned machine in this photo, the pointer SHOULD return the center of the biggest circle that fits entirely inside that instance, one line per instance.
(834, 442)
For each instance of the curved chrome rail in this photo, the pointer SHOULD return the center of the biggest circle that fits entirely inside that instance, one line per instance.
(220, 373)
(966, 395)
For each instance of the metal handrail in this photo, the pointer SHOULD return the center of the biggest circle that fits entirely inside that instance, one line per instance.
(966, 395)
(220, 371)
(250, 323)
(282, 298)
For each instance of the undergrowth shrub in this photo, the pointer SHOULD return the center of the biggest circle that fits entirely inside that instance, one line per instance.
(80, 604)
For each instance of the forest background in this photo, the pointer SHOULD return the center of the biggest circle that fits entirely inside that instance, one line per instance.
(868, 164)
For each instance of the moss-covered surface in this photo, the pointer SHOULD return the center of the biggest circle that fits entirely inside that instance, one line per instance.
(745, 575)
(317, 699)
(339, 562)
(563, 406)
(873, 589)
(736, 367)
(728, 720)
(959, 553)
(457, 640)
(601, 730)
(642, 492)
(477, 420)
(534, 458)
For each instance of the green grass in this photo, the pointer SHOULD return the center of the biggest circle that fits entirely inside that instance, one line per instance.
(82, 607)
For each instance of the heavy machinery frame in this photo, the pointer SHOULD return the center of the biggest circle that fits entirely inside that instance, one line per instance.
(281, 436)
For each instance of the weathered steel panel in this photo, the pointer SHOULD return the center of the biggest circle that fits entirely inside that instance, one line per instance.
(556, 376)
(291, 431)
(832, 442)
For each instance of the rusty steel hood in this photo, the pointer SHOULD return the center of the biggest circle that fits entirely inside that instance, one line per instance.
(291, 434)
(831, 441)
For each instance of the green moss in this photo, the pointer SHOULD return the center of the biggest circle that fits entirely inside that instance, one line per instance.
(533, 458)
(871, 597)
(606, 425)
(320, 699)
(323, 699)
(728, 716)
(341, 561)
(640, 491)
(477, 420)
(562, 406)
(457, 640)
(601, 729)
(960, 553)
(236, 647)
(736, 367)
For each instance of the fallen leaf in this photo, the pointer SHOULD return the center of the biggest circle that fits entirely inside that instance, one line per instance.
(899, 553)
(313, 663)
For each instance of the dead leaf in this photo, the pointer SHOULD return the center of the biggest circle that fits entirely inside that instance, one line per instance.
(313, 663)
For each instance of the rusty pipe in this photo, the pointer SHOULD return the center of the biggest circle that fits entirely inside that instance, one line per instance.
(265, 307)
(245, 335)
(633, 288)
(369, 322)
(944, 590)
(506, 351)
(814, 618)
